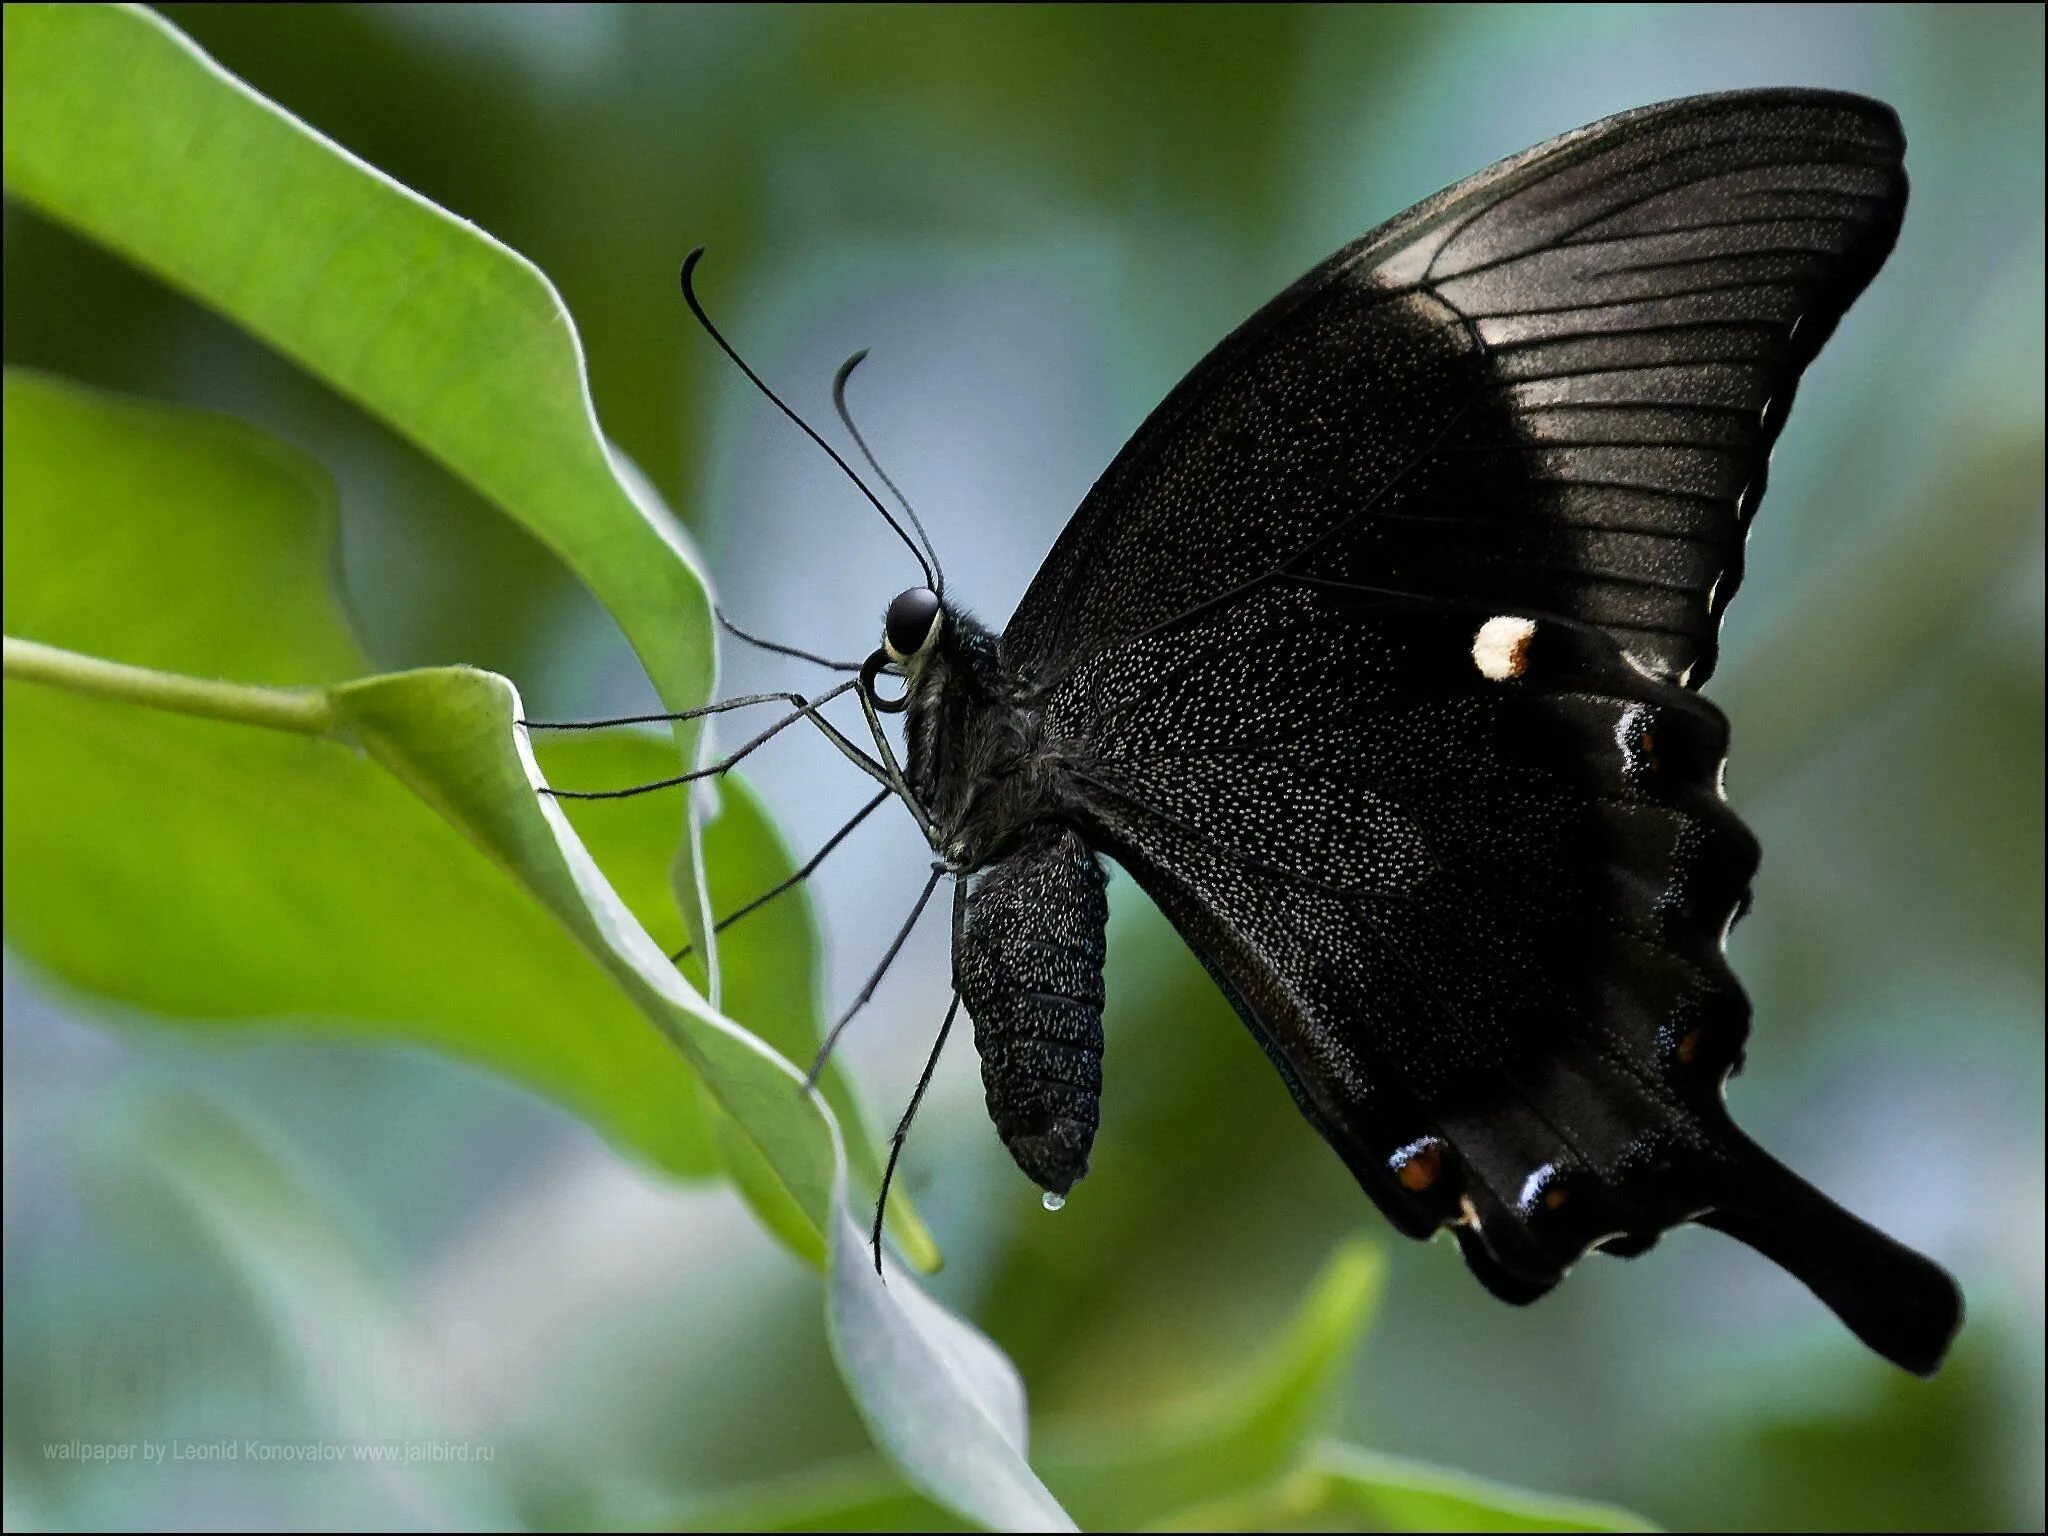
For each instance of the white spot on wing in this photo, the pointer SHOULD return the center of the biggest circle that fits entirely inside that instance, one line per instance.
(1501, 648)
(1627, 729)
(1532, 1187)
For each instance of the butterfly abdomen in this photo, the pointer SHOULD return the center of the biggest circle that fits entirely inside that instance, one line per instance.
(1028, 965)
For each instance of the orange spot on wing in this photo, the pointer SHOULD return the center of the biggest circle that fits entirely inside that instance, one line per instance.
(1419, 1166)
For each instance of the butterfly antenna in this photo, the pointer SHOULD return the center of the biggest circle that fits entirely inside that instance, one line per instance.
(697, 309)
(846, 419)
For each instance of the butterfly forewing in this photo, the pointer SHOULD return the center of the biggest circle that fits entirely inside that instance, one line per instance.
(1552, 388)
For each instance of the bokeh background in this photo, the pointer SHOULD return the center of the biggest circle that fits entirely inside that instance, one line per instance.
(1038, 219)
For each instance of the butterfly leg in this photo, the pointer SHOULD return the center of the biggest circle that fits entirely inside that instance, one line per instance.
(806, 709)
(902, 1133)
(902, 934)
(809, 868)
(924, 1081)
(723, 706)
(890, 772)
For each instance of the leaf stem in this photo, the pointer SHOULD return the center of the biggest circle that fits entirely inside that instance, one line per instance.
(307, 712)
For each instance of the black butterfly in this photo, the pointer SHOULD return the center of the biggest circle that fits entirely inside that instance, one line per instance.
(1374, 659)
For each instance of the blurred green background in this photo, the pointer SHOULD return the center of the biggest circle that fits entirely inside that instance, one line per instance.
(1038, 218)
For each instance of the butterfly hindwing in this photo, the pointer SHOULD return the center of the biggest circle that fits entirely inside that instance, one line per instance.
(1475, 912)
(1471, 894)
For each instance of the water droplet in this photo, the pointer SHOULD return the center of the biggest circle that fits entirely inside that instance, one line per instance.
(1051, 1201)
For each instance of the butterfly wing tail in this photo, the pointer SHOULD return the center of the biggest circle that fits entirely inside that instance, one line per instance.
(1899, 1302)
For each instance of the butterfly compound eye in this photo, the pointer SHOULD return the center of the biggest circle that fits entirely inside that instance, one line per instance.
(912, 621)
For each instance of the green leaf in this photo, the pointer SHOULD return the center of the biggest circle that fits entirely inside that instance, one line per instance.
(117, 126)
(1237, 1438)
(1247, 1456)
(444, 733)
(1242, 1433)
(773, 980)
(1344, 1488)
(769, 960)
(942, 1402)
(212, 873)
(311, 883)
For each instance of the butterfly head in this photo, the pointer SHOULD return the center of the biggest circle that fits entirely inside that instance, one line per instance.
(910, 633)
(912, 625)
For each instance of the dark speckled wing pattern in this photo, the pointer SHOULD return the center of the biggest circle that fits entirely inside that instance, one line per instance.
(1553, 387)
(1375, 652)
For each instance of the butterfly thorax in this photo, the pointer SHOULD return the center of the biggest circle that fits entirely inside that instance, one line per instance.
(981, 762)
